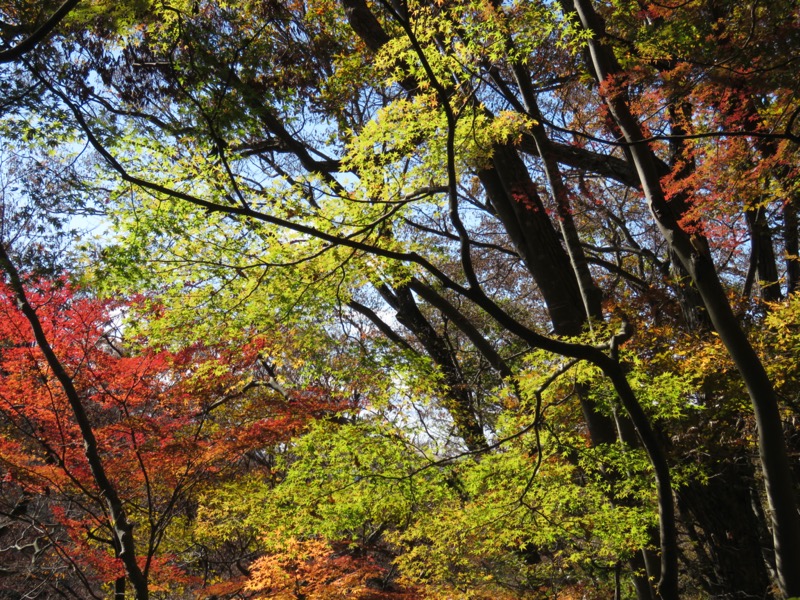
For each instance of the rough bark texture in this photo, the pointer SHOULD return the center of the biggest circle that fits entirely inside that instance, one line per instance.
(727, 541)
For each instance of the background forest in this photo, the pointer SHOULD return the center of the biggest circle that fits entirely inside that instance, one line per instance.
(354, 299)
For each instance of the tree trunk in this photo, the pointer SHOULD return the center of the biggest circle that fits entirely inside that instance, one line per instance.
(762, 256)
(730, 560)
(119, 524)
(792, 244)
(457, 398)
(772, 449)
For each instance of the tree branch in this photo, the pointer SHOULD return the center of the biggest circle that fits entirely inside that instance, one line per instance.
(29, 43)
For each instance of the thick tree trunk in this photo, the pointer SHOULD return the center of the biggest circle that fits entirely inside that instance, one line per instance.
(513, 195)
(762, 256)
(590, 293)
(727, 539)
(514, 198)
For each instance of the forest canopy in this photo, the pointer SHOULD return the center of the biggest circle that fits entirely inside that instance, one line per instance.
(389, 299)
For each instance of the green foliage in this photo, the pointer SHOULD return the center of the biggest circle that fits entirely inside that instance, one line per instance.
(466, 527)
(342, 482)
(275, 180)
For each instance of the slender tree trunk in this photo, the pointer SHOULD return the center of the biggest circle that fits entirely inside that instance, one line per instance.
(722, 525)
(121, 527)
(457, 399)
(791, 243)
(119, 588)
(667, 569)
(772, 449)
(682, 164)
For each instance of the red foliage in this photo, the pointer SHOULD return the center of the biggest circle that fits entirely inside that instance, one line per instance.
(165, 422)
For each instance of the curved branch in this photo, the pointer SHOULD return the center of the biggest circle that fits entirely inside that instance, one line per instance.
(29, 43)
(430, 295)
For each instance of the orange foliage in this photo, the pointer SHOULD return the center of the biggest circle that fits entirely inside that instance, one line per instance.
(313, 570)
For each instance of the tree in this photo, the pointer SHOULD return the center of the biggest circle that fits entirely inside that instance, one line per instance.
(105, 447)
(499, 179)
